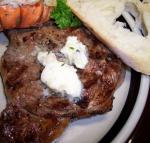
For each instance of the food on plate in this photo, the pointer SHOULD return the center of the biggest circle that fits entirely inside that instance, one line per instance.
(18, 125)
(24, 13)
(102, 18)
(131, 45)
(63, 15)
(29, 13)
(41, 105)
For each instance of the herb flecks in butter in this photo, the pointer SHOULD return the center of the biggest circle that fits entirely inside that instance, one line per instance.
(76, 52)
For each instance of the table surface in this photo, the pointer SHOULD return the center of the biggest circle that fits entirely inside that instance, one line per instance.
(141, 133)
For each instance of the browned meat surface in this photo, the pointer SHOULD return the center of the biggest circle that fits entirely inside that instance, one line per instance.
(30, 114)
(17, 125)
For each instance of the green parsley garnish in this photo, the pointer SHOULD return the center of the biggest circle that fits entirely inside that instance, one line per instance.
(63, 16)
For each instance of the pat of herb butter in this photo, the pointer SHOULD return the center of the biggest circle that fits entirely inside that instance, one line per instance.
(59, 76)
(75, 52)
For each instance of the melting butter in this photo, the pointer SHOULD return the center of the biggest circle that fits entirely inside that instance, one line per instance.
(75, 52)
(59, 76)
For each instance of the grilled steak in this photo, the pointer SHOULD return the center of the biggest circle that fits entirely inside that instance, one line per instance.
(34, 110)
(17, 125)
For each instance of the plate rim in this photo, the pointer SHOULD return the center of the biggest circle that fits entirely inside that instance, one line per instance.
(136, 113)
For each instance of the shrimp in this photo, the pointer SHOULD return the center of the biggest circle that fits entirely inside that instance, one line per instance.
(24, 15)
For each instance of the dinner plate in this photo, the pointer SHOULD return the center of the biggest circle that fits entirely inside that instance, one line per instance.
(114, 126)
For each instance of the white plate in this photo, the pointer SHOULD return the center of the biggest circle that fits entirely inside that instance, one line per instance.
(92, 130)
(136, 112)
